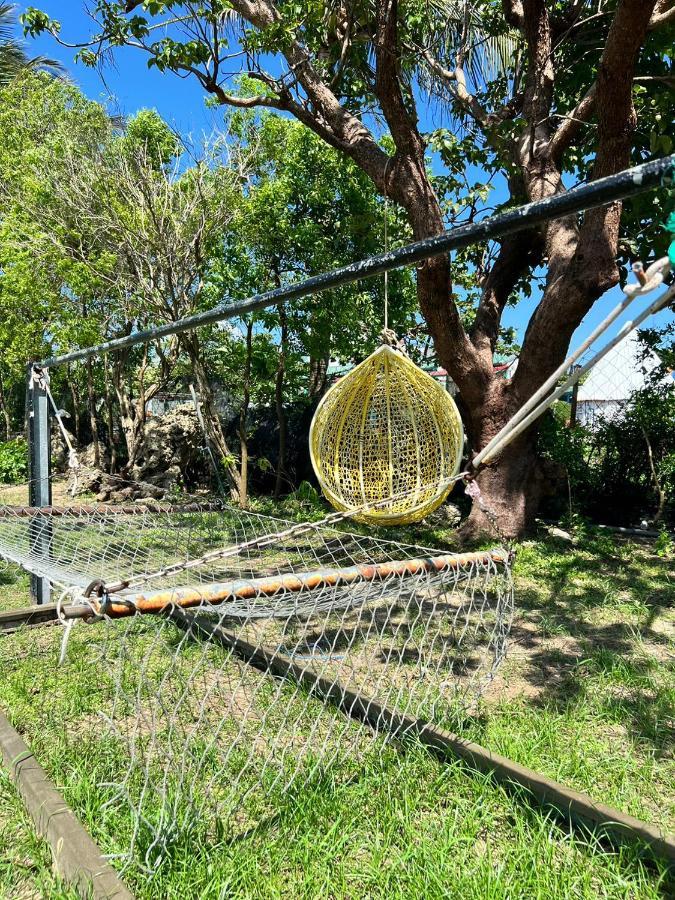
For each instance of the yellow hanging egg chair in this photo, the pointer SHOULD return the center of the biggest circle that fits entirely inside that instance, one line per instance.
(388, 432)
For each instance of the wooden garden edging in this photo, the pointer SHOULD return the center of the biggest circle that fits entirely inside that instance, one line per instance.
(572, 805)
(39, 614)
(77, 859)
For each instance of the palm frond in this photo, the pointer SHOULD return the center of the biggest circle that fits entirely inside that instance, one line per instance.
(460, 26)
(13, 56)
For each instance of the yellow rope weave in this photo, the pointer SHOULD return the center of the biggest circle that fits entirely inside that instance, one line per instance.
(386, 430)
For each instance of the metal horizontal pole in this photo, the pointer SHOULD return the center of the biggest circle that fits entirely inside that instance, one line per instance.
(33, 616)
(596, 193)
(105, 509)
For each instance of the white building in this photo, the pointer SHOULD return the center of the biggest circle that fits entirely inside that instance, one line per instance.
(612, 381)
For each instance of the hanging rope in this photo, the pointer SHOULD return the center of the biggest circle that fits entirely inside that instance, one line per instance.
(386, 249)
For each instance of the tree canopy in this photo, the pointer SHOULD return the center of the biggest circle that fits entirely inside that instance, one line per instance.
(489, 104)
(107, 227)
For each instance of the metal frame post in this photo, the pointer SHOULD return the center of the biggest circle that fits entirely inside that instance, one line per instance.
(40, 485)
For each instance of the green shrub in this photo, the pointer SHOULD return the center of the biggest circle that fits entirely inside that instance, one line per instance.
(613, 467)
(13, 461)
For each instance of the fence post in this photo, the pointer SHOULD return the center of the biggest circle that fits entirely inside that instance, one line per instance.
(40, 486)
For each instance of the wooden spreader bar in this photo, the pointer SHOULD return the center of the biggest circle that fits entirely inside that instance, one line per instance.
(270, 586)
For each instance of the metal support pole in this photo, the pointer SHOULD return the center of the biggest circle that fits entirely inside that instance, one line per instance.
(40, 486)
(624, 184)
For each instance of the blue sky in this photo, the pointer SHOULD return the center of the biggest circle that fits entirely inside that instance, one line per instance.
(129, 85)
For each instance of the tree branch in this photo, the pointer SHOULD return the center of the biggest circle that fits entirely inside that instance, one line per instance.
(571, 125)
(519, 254)
(401, 121)
(455, 80)
(540, 73)
(582, 269)
(323, 113)
(513, 12)
(663, 14)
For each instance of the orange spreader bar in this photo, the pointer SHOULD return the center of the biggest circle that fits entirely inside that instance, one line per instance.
(271, 586)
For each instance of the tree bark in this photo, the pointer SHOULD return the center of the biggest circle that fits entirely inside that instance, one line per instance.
(5, 410)
(75, 396)
(660, 493)
(215, 433)
(133, 410)
(279, 403)
(132, 417)
(110, 419)
(93, 421)
(318, 376)
(243, 419)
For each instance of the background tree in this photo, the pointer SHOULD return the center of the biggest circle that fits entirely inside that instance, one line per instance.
(36, 112)
(307, 209)
(129, 236)
(13, 56)
(562, 105)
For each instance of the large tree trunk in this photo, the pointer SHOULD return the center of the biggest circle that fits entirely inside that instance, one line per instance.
(511, 491)
(511, 487)
(581, 259)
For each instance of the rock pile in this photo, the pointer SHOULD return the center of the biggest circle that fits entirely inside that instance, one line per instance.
(170, 454)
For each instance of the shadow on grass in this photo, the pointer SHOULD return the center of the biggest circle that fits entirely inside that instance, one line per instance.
(572, 649)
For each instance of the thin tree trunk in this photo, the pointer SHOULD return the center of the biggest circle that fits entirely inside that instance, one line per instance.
(279, 402)
(132, 411)
(660, 493)
(243, 419)
(5, 411)
(110, 418)
(215, 432)
(318, 372)
(75, 395)
(93, 421)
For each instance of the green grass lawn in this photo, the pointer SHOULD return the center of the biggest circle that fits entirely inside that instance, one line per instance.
(586, 695)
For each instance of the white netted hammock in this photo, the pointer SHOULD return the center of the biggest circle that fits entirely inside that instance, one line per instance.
(195, 734)
(185, 604)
